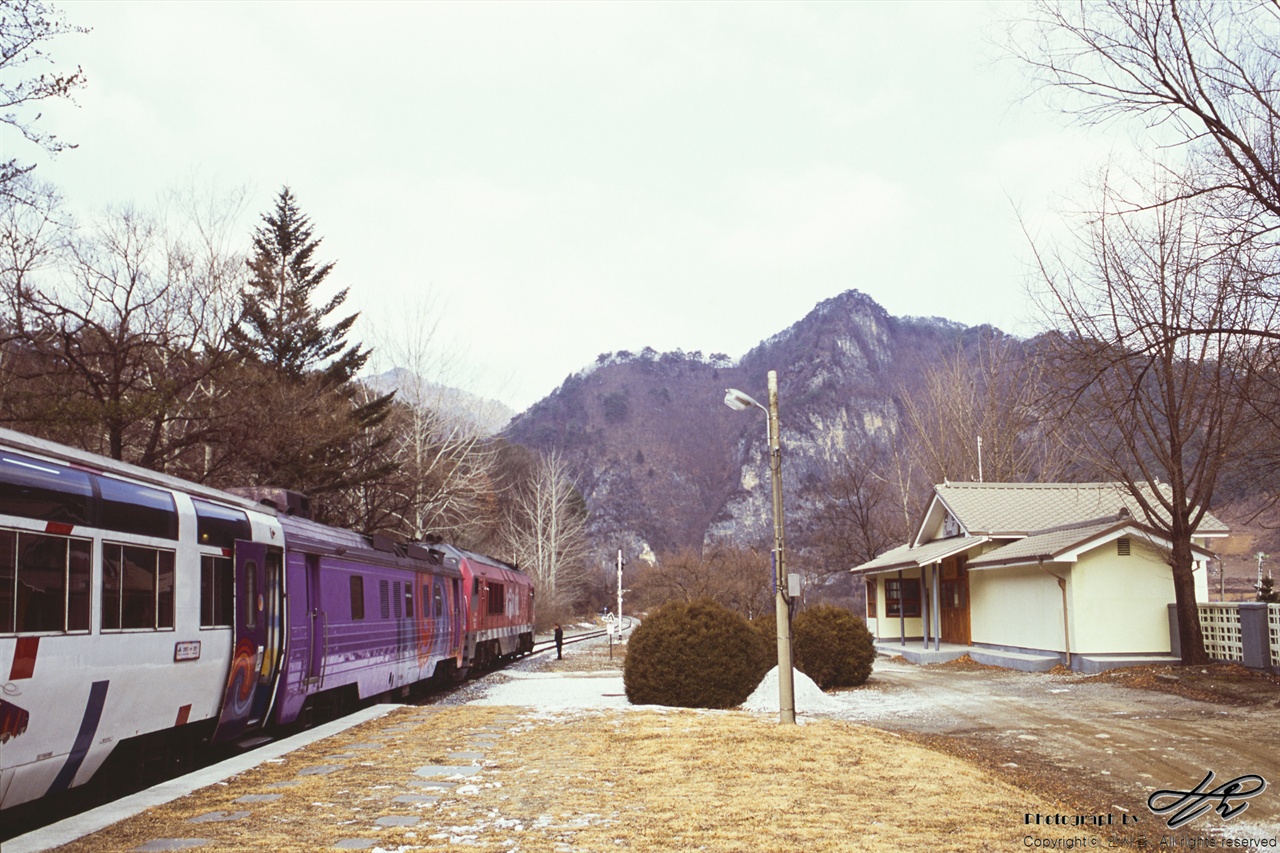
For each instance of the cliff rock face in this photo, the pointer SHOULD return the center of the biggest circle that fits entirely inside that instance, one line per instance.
(664, 464)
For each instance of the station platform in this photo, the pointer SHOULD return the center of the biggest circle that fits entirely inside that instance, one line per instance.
(369, 781)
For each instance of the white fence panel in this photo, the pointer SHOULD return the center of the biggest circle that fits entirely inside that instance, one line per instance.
(1220, 624)
(1273, 632)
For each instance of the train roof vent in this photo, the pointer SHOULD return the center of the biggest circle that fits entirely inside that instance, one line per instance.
(283, 501)
(422, 552)
(382, 542)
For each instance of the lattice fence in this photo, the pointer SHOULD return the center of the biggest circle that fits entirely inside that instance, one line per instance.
(1273, 631)
(1221, 627)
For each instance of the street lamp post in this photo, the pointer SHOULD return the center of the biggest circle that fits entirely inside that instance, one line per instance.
(738, 401)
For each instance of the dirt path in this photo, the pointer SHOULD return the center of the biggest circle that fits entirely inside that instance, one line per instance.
(1108, 741)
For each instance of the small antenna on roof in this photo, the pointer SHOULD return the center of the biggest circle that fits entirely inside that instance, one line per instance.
(979, 459)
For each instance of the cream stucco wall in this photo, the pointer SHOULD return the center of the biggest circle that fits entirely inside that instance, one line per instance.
(1121, 604)
(1019, 607)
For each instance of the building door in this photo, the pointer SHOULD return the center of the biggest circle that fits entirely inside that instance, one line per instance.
(955, 601)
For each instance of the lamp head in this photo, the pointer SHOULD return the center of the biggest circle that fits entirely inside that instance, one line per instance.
(738, 401)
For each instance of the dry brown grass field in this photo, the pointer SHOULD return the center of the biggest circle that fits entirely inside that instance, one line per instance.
(644, 780)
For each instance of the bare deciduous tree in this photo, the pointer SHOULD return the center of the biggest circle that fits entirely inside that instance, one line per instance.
(857, 513)
(448, 464)
(738, 578)
(26, 28)
(545, 532)
(989, 394)
(1157, 410)
(128, 323)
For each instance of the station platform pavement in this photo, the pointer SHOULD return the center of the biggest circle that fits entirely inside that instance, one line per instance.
(375, 780)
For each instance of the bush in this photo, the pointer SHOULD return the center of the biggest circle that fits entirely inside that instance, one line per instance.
(832, 646)
(698, 655)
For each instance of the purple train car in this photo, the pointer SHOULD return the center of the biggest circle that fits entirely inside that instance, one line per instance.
(363, 617)
(142, 615)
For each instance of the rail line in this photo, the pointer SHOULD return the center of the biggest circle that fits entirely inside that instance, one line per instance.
(544, 646)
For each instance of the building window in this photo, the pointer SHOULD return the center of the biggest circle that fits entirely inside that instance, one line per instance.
(137, 587)
(902, 597)
(871, 599)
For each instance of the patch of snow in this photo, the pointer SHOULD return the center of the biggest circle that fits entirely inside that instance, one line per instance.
(808, 696)
(555, 691)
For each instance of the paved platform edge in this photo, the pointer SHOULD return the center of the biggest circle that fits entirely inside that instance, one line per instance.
(74, 828)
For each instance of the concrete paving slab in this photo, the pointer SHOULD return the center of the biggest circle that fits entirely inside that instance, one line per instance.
(319, 770)
(218, 817)
(447, 770)
(465, 756)
(356, 843)
(398, 820)
(416, 799)
(259, 798)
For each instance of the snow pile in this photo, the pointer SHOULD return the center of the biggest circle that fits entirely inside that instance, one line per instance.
(809, 697)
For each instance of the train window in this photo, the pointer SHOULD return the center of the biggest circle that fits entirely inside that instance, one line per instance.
(357, 596)
(384, 598)
(44, 490)
(408, 600)
(475, 586)
(251, 594)
(137, 587)
(217, 585)
(438, 602)
(425, 598)
(497, 600)
(130, 508)
(8, 579)
(45, 582)
(395, 598)
(220, 526)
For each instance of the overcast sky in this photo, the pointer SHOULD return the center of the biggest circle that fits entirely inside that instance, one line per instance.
(562, 179)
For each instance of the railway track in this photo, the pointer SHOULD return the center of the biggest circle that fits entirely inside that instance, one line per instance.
(544, 646)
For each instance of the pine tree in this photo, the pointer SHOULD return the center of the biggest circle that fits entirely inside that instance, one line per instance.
(280, 327)
(313, 427)
(1267, 591)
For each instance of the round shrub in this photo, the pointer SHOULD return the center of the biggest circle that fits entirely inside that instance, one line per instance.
(693, 655)
(832, 646)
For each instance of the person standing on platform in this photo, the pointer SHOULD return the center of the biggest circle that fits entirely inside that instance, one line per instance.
(559, 641)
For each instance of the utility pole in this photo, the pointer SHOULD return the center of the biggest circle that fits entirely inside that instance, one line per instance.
(738, 401)
(620, 589)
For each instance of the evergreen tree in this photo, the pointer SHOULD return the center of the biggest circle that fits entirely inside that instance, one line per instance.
(280, 327)
(313, 428)
(1267, 591)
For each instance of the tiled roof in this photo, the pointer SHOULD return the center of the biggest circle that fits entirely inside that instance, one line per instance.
(1049, 545)
(1017, 509)
(906, 557)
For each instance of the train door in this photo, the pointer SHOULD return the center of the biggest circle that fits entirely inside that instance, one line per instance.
(271, 654)
(249, 648)
(317, 625)
(460, 618)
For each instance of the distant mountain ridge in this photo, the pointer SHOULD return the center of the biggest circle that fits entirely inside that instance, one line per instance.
(483, 415)
(664, 464)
